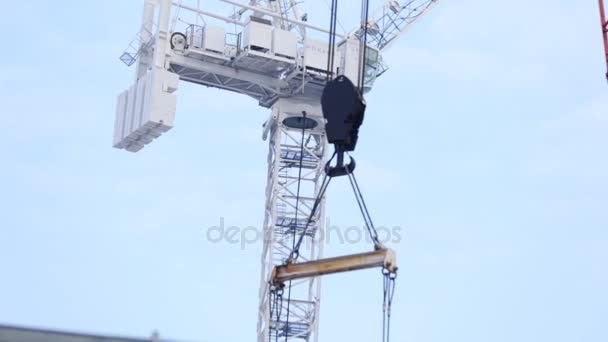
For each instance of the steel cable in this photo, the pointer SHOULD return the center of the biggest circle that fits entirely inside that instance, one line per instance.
(295, 223)
(295, 253)
(388, 291)
(332, 39)
(373, 233)
(363, 44)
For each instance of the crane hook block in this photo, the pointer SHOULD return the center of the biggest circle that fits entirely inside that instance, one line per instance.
(343, 108)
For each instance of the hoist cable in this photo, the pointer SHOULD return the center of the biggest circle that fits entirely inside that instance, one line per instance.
(299, 179)
(362, 200)
(276, 298)
(295, 223)
(295, 253)
(384, 300)
(332, 39)
(369, 224)
(271, 311)
(388, 290)
(363, 44)
(373, 233)
(338, 20)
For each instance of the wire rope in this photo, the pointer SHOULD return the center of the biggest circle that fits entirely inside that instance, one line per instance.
(295, 223)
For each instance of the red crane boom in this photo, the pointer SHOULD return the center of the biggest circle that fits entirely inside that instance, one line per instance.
(604, 32)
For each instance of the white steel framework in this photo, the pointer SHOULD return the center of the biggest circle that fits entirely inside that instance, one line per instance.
(286, 216)
(262, 49)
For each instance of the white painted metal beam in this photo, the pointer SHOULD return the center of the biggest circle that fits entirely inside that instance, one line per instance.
(278, 16)
(209, 14)
(268, 82)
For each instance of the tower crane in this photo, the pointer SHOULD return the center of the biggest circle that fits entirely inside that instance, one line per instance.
(266, 49)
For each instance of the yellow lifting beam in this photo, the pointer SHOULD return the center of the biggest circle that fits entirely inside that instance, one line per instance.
(382, 257)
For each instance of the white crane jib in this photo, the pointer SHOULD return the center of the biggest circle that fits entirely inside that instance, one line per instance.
(262, 49)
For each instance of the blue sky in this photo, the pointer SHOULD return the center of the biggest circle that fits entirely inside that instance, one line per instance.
(486, 142)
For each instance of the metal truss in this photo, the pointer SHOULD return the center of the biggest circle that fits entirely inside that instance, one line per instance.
(282, 222)
(290, 86)
(224, 78)
(242, 75)
(393, 20)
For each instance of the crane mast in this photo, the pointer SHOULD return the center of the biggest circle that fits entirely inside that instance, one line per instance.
(286, 215)
(262, 50)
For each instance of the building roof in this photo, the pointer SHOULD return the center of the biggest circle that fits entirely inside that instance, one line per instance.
(23, 334)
